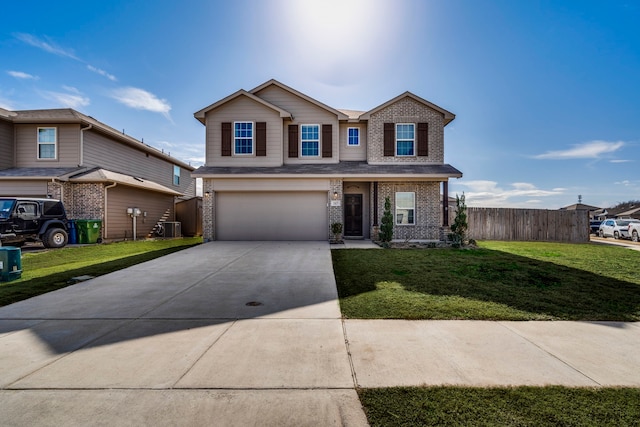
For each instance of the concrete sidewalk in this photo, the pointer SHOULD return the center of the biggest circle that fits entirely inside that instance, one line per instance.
(250, 333)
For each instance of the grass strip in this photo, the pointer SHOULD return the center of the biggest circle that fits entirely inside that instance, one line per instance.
(53, 269)
(513, 406)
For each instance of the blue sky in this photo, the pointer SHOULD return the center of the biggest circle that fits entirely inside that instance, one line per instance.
(546, 93)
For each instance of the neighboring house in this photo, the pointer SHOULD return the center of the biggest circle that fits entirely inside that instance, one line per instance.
(97, 171)
(594, 211)
(282, 165)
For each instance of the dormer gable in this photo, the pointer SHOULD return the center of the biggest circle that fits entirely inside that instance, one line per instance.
(447, 115)
(201, 115)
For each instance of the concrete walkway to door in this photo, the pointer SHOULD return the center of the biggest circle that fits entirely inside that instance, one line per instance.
(226, 333)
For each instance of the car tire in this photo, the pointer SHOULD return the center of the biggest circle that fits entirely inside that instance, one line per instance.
(55, 238)
(634, 236)
(616, 235)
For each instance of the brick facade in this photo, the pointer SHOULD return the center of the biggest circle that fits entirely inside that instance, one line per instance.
(208, 211)
(427, 215)
(406, 110)
(84, 201)
(336, 213)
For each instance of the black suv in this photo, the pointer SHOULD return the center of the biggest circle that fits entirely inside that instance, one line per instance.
(30, 220)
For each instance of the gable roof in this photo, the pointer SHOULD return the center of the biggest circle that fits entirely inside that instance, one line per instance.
(200, 115)
(579, 207)
(273, 82)
(448, 116)
(69, 115)
(104, 175)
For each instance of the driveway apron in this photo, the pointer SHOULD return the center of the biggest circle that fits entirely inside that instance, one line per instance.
(226, 333)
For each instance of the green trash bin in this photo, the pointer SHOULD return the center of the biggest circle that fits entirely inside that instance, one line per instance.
(88, 230)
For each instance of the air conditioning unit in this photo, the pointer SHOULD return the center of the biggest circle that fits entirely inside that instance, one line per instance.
(172, 229)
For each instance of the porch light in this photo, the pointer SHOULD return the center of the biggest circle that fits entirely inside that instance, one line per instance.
(335, 195)
(207, 194)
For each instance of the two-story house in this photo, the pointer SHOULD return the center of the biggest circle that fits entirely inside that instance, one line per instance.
(97, 171)
(281, 165)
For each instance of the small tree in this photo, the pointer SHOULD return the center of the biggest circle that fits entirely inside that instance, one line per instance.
(460, 226)
(386, 227)
(336, 229)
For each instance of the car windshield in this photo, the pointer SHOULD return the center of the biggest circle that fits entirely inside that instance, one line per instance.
(5, 208)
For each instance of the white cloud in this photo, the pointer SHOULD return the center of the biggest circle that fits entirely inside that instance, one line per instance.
(489, 194)
(73, 99)
(140, 99)
(627, 183)
(621, 161)
(47, 46)
(22, 75)
(102, 72)
(587, 150)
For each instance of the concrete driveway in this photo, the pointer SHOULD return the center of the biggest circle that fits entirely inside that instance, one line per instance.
(237, 333)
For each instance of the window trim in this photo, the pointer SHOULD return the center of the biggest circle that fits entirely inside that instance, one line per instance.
(412, 140)
(317, 126)
(54, 143)
(349, 137)
(176, 182)
(413, 193)
(253, 139)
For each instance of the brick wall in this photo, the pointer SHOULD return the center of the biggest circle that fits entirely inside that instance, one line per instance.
(336, 213)
(427, 216)
(406, 110)
(84, 201)
(208, 211)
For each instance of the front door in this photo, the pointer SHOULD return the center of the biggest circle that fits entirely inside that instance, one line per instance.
(353, 214)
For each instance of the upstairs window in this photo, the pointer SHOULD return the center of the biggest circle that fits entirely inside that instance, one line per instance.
(310, 146)
(243, 138)
(176, 175)
(353, 137)
(405, 139)
(47, 141)
(405, 208)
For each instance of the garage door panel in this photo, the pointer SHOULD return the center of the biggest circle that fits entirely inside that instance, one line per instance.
(271, 216)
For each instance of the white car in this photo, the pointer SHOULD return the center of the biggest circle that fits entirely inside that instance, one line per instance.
(616, 228)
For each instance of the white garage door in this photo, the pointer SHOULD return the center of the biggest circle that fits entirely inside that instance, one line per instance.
(271, 216)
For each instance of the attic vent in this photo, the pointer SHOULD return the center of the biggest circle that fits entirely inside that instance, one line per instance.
(138, 179)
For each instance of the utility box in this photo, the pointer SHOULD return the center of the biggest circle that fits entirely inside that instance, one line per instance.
(172, 229)
(10, 263)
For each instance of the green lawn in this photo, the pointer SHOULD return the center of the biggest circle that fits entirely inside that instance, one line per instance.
(52, 269)
(518, 406)
(498, 281)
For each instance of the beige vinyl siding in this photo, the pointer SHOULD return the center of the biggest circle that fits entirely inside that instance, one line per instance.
(23, 188)
(6, 145)
(243, 109)
(120, 225)
(353, 153)
(101, 151)
(304, 112)
(67, 146)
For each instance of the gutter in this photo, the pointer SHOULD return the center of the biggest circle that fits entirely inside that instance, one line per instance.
(82, 143)
(106, 209)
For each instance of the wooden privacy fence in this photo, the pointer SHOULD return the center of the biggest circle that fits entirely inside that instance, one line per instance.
(527, 225)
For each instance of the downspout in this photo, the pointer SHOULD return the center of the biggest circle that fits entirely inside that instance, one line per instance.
(82, 144)
(106, 209)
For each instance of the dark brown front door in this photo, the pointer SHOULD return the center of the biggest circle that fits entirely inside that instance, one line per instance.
(353, 214)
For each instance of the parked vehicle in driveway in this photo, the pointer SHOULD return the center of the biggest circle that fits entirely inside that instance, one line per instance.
(616, 228)
(594, 226)
(634, 231)
(32, 220)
